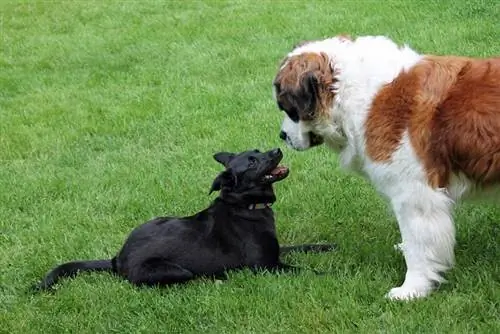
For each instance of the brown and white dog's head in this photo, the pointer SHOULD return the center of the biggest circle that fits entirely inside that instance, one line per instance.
(303, 91)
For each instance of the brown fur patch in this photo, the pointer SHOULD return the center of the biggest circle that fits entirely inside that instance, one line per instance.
(291, 84)
(451, 109)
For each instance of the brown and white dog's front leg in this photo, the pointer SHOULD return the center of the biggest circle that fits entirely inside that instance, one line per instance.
(428, 239)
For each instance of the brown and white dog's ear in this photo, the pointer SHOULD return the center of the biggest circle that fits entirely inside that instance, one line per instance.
(303, 85)
(301, 97)
(307, 96)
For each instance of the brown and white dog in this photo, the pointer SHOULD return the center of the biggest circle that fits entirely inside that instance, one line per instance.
(424, 129)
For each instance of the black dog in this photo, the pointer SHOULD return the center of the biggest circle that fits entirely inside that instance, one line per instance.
(236, 231)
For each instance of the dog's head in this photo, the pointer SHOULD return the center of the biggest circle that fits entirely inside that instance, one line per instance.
(249, 174)
(304, 89)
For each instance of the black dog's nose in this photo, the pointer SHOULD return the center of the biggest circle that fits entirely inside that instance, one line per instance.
(276, 152)
(283, 135)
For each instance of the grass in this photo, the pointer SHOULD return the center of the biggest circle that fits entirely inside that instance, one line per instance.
(109, 114)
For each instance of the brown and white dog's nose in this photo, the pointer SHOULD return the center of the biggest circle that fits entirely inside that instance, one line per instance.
(283, 135)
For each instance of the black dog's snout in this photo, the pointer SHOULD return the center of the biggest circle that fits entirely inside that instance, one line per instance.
(283, 135)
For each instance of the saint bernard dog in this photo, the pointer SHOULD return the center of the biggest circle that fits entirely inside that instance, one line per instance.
(424, 129)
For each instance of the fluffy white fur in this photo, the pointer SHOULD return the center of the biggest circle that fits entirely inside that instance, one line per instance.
(361, 67)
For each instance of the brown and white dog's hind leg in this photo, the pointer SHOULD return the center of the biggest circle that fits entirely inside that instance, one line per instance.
(428, 239)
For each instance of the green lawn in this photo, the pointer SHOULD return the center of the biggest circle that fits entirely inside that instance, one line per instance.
(110, 112)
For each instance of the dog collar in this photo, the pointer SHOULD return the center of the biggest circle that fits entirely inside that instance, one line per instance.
(259, 206)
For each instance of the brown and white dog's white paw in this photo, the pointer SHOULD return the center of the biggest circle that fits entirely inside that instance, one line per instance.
(407, 293)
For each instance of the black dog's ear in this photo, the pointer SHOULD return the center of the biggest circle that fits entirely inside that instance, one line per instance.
(224, 179)
(223, 157)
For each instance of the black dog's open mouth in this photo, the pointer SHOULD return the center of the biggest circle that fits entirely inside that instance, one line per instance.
(277, 174)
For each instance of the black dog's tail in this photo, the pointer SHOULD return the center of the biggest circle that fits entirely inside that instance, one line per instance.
(307, 248)
(71, 269)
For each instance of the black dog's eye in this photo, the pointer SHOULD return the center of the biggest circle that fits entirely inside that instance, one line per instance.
(252, 161)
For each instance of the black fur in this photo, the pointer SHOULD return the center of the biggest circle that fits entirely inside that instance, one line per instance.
(228, 235)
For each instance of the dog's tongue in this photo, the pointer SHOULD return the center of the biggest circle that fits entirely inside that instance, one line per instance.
(279, 170)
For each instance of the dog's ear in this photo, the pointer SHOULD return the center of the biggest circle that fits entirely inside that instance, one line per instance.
(307, 95)
(223, 157)
(224, 179)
